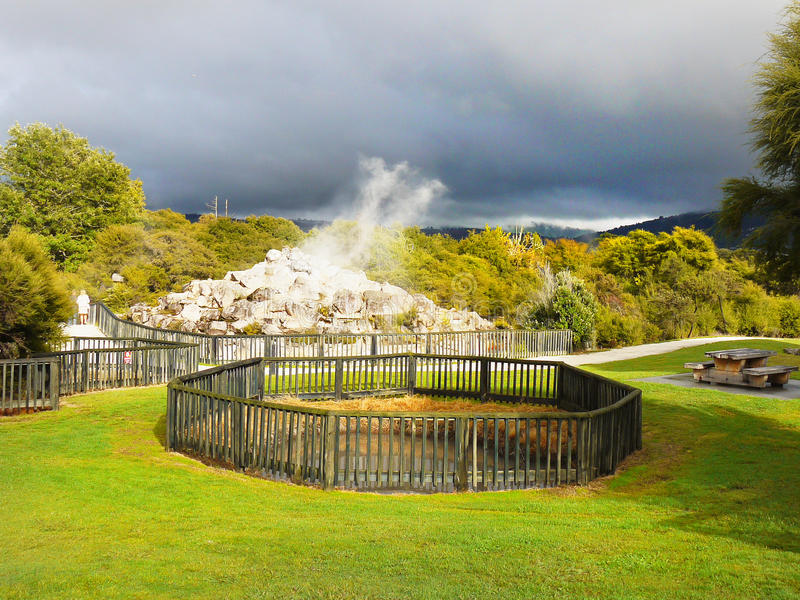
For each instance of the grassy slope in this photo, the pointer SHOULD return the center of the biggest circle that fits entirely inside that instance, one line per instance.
(93, 507)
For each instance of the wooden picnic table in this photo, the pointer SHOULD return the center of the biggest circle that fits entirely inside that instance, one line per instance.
(733, 361)
(741, 366)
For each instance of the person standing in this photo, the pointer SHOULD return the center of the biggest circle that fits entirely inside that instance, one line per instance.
(83, 307)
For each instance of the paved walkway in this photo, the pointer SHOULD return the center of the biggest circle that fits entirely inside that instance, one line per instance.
(593, 358)
(83, 331)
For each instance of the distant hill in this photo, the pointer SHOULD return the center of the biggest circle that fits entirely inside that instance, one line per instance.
(553, 232)
(699, 220)
(704, 221)
(309, 224)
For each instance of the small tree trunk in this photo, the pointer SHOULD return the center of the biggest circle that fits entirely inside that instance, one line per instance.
(722, 314)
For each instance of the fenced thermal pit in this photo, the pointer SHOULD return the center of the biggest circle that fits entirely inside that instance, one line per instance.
(407, 422)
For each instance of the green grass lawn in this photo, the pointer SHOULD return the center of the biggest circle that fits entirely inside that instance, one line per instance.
(94, 507)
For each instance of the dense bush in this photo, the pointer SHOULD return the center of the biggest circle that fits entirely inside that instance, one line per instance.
(491, 272)
(33, 298)
(789, 316)
(565, 302)
(615, 329)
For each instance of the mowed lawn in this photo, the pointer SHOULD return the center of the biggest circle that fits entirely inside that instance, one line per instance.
(94, 507)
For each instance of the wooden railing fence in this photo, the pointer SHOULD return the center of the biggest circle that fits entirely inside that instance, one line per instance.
(28, 385)
(105, 363)
(219, 349)
(90, 364)
(232, 414)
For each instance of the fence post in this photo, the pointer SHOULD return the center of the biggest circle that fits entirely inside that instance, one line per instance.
(484, 380)
(145, 358)
(338, 377)
(262, 378)
(639, 421)
(268, 346)
(462, 441)
(328, 482)
(236, 434)
(136, 364)
(558, 396)
(170, 412)
(85, 372)
(412, 374)
(55, 375)
(373, 350)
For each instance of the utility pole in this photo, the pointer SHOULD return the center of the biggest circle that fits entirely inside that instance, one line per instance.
(213, 206)
(226, 208)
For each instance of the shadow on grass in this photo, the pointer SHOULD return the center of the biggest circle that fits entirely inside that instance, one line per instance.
(735, 474)
(160, 430)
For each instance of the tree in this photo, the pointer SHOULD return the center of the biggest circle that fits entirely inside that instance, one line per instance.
(630, 257)
(56, 185)
(567, 255)
(776, 138)
(33, 298)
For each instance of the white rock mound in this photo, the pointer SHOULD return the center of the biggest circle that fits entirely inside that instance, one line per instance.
(292, 292)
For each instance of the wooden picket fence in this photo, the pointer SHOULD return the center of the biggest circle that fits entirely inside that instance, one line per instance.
(230, 414)
(220, 349)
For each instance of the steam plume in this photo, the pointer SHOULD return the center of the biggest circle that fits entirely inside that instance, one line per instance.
(395, 195)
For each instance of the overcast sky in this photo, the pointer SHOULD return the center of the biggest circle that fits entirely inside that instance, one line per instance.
(575, 112)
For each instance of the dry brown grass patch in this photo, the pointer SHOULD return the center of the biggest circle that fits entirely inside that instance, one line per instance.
(417, 403)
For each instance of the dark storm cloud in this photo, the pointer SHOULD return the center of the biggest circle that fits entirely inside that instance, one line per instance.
(582, 112)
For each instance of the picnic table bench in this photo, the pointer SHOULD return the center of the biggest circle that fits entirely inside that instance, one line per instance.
(741, 366)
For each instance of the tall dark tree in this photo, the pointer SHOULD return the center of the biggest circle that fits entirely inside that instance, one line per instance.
(55, 184)
(775, 195)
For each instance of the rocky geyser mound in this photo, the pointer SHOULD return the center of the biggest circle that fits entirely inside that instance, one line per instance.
(292, 292)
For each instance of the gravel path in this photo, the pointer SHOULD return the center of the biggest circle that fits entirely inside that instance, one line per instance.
(593, 358)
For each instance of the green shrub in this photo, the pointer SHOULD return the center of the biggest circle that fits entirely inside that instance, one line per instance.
(33, 298)
(565, 303)
(501, 323)
(252, 329)
(408, 318)
(175, 325)
(615, 329)
(756, 313)
(789, 316)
